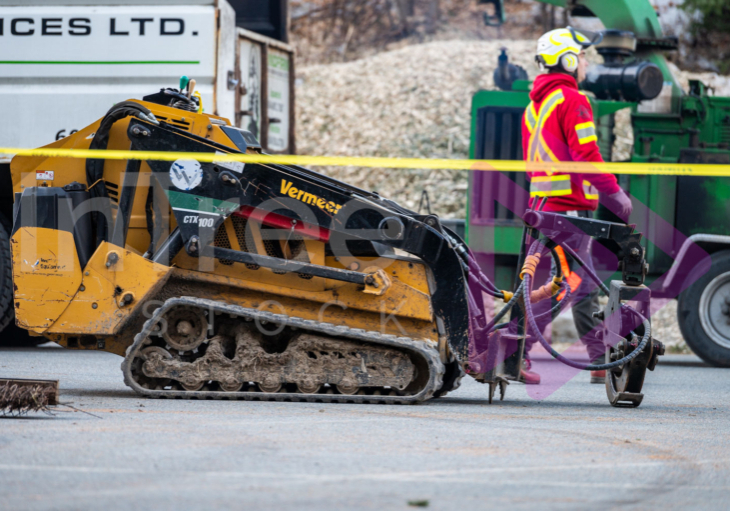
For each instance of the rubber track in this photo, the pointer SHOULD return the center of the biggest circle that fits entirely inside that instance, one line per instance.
(427, 352)
(455, 384)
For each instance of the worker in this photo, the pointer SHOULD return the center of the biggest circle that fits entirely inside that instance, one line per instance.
(558, 126)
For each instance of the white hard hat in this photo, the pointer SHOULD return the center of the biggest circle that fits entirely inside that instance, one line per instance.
(561, 47)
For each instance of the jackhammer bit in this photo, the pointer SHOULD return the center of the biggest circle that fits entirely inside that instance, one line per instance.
(500, 382)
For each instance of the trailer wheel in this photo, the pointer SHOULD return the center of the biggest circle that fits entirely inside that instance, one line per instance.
(704, 313)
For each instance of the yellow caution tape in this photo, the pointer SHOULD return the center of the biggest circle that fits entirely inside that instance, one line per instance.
(659, 169)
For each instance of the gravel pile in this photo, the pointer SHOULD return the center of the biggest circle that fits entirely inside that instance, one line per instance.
(416, 102)
(411, 102)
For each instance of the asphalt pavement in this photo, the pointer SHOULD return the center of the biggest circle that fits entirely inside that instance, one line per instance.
(554, 446)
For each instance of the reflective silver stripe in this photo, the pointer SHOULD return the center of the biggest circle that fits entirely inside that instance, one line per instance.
(544, 155)
(550, 186)
(545, 111)
(586, 132)
(590, 191)
(530, 116)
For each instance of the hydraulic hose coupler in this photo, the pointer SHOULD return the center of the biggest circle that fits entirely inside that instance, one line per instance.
(547, 291)
(530, 265)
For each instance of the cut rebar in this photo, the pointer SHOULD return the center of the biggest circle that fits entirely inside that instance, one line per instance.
(19, 397)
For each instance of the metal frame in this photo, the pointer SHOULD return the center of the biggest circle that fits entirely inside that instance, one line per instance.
(275, 263)
(556, 228)
(265, 43)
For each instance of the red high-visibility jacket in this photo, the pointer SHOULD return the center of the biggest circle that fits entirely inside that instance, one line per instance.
(558, 126)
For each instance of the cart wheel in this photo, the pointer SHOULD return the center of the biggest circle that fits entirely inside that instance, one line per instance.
(704, 312)
(623, 384)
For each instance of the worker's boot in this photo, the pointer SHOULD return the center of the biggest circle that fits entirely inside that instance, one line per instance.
(526, 375)
(599, 376)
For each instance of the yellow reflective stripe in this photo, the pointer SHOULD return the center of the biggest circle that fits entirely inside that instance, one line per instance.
(586, 132)
(545, 179)
(556, 193)
(550, 103)
(550, 186)
(591, 138)
(590, 191)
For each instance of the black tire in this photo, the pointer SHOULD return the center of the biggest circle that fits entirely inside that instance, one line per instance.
(703, 312)
(8, 330)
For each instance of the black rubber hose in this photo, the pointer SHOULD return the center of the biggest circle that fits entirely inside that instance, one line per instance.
(558, 268)
(149, 217)
(511, 303)
(557, 308)
(475, 280)
(583, 265)
(468, 259)
(478, 314)
(527, 282)
(482, 281)
(95, 167)
(471, 267)
(605, 289)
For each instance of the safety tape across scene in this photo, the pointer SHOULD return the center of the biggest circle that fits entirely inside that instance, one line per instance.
(659, 169)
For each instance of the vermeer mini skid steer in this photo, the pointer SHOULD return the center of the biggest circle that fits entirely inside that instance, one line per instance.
(267, 281)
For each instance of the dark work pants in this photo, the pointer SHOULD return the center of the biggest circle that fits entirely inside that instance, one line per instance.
(584, 300)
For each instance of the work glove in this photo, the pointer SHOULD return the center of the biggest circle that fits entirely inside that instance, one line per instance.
(620, 204)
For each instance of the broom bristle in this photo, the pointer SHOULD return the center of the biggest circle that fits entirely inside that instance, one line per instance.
(18, 397)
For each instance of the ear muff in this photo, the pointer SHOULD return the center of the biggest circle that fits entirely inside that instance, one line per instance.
(569, 61)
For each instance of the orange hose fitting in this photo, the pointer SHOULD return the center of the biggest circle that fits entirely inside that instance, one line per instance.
(531, 262)
(507, 295)
(547, 291)
(544, 293)
(556, 284)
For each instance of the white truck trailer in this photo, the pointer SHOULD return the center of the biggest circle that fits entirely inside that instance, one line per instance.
(63, 63)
